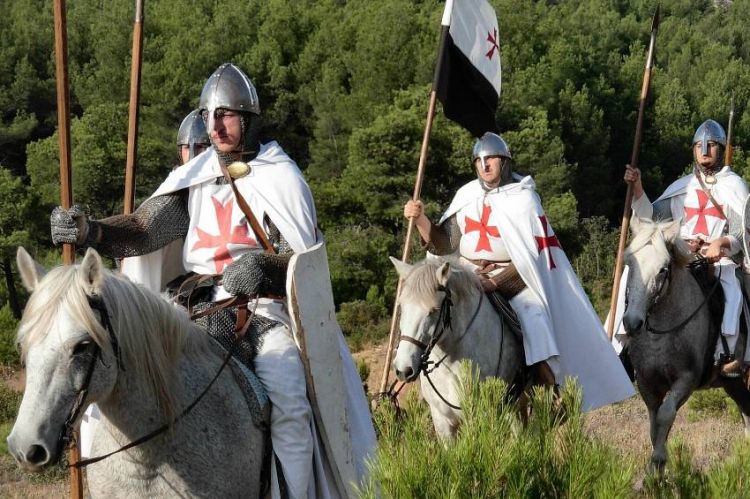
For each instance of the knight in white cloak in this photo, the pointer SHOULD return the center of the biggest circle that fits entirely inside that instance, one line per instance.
(223, 254)
(709, 204)
(497, 225)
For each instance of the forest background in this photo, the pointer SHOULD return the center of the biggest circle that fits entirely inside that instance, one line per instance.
(344, 88)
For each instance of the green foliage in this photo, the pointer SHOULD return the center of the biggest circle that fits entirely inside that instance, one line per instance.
(493, 456)
(8, 350)
(362, 322)
(712, 403)
(9, 402)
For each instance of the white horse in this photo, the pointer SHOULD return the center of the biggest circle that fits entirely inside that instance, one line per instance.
(151, 364)
(475, 332)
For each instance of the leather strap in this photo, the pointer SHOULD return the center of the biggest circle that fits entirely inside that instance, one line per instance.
(708, 193)
(260, 234)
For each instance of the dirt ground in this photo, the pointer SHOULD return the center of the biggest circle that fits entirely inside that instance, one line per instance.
(624, 426)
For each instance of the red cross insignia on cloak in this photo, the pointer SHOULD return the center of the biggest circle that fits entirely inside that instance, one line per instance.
(227, 235)
(547, 242)
(701, 226)
(483, 228)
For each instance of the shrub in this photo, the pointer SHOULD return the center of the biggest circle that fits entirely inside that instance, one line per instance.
(493, 454)
(712, 403)
(8, 351)
(362, 322)
(9, 403)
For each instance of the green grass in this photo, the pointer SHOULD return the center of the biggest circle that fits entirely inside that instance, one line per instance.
(712, 403)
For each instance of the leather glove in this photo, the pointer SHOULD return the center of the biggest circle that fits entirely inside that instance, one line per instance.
(69, 226)
(257, 273)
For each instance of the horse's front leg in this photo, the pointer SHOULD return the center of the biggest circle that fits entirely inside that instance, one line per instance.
(665, 416)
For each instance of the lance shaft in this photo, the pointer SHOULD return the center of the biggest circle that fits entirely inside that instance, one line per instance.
(135, 94)
(66, 191)
(634, 164)
(417, 193)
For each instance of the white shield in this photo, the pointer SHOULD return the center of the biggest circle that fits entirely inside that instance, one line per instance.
(316, 332)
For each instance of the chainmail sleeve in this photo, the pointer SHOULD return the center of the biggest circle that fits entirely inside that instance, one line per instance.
(444, 238)
(736, 228)
(156, 223)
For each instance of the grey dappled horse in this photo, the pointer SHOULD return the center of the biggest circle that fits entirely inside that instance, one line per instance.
(475, 333)
(146, 367)
(671, 332)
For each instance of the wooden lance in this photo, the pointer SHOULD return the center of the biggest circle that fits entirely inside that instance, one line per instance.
(135, 95)
(66, 191)
(633, 163)
(410, 227)
(730, 135)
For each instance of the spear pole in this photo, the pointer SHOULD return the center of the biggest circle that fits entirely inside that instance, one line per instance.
(730, 134)
(417, 192)
(135, 95)
(633, 163)
(66, 191)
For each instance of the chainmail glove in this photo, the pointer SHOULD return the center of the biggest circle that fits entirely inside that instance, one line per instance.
(69, 226)
(257, 273)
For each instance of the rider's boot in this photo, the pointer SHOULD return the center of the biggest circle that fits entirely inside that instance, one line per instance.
(732, 368)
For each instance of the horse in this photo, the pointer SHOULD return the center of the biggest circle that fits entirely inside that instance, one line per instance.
(446, 317)
(671, 332)
(141, 360)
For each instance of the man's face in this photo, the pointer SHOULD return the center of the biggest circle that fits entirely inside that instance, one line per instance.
(226, 133)
(710, 159)
(185, 152)
(491, 171)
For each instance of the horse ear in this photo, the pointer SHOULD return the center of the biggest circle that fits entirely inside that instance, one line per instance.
(671, 231)
(402, 268)
(91, 272)
(443, 272)
(31, 271)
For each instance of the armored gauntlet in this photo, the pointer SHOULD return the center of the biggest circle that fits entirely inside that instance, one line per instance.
(257, 273)
(70, 226)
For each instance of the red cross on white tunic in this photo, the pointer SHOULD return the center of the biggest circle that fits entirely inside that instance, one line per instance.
(701, 226)
(547, 242)
(483, 228)
(227, 235)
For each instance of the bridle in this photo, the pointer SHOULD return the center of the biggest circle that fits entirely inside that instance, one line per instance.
(442, 324)
(706, 297)
(66, 432)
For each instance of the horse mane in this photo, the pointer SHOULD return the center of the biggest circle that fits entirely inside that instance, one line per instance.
(652, 232)
(151, 333)
(422, 283)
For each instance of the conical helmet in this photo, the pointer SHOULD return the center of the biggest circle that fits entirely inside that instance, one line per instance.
(709, 131)
(229, 88)
(490, 144)
(192, 132)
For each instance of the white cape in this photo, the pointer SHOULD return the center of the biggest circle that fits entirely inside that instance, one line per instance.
(585, 352)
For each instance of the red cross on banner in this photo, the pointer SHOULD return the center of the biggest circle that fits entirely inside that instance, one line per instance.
(547, 242)
(483, 228)
(701, 225)
(493, 44)
(227, 235)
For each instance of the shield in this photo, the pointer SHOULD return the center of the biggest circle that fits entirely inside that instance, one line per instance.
(746, 234)
(316, 332)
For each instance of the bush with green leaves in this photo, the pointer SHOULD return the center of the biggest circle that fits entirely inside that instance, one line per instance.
(8, 350)
(494, 455)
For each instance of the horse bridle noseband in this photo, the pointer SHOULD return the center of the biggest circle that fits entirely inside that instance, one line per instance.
(443, 323)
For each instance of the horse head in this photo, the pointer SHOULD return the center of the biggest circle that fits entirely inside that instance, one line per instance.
(89, 335)
(650, 256)
(62, 342)
(429, 291)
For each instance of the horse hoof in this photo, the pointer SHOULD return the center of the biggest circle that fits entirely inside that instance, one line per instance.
(657, 464)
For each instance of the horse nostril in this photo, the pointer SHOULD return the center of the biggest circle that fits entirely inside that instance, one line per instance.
(37, 455)
(408, 373)
(632, 326)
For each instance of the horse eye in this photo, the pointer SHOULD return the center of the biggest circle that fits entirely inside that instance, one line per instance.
(663, 270)
(82, 347)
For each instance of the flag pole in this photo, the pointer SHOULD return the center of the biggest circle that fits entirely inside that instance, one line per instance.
(135, 94)
(417, 192)
(634, 164)
(730, 134)
(66, 191)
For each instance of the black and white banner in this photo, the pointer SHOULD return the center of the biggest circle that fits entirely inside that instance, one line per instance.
(468, 74)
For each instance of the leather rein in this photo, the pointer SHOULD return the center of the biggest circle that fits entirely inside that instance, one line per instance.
(97, 304)
(706, 298)
(443, 323)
